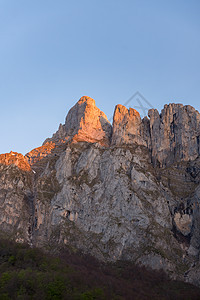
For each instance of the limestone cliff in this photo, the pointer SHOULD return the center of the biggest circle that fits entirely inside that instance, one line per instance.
(128, 127)
(129, 192)
(175, 134)
(16, 196)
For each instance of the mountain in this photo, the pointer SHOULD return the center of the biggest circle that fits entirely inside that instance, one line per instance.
(128, 191)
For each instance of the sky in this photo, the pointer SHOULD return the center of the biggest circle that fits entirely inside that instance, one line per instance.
(54, 52)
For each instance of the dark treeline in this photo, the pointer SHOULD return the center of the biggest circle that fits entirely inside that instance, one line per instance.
(29, 273)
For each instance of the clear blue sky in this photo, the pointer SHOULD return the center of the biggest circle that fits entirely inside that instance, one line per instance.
(53, 52)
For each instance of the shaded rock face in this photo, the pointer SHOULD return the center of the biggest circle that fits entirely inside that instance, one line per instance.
(16, 198)
(112, 203)
(175, 134)
(131, 192)
(128, 127)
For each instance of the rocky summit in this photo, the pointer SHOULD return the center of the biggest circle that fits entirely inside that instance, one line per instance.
(127, 191)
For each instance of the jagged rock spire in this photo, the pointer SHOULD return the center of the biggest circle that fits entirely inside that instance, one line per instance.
(175, 134)
(172, 136)
(127, 127)
(85, 122)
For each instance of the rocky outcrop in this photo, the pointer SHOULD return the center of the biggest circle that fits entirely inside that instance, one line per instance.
(128, 127)
(39, 153)
(175, 134)
(130, 193)
(14, 158)
(16, 197)
(85, 122)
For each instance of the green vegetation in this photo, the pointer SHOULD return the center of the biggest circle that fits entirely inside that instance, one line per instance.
(28, 273)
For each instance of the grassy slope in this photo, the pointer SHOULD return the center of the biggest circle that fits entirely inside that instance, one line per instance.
(31, 274)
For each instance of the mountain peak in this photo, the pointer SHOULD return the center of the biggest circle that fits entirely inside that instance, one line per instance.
(86, 99)
(134, 197)
(85, 122)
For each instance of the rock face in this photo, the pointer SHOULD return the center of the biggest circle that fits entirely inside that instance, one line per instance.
(130, 193)
(16, 196)
(127, 127)
(175, 134)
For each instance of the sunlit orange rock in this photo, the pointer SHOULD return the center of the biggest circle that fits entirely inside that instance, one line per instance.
(14, 158)
(85, 122)
(39, 153)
